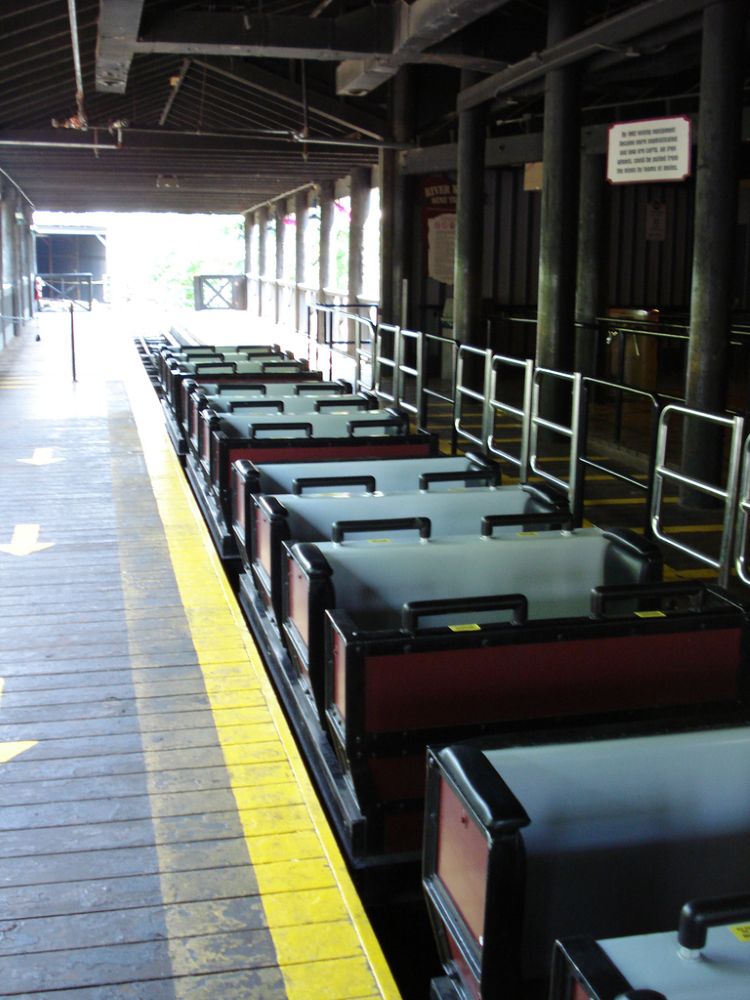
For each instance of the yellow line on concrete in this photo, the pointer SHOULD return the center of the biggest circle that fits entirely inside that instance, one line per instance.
(689, 574)
(625, 501)
(323, 940)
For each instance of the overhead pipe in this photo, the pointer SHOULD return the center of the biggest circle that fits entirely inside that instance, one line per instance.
(41, 144)
(73, 16)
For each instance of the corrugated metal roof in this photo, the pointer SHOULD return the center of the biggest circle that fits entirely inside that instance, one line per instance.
(202, 127)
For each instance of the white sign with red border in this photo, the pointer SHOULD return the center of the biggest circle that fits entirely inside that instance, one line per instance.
(656, 149)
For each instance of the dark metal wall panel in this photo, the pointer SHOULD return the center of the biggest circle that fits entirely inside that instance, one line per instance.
(514, 249)
(650, 265)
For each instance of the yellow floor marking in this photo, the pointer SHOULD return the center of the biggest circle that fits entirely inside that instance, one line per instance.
(41, 456)
(307, 906)
(689, 574)
(8, 751)
(603, 478)
(692, 529)
(25, 541)
(359, 968)
(625, 501)
(12, 749)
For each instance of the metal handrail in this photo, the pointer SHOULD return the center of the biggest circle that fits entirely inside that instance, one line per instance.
(382, 361)
(463, 392)
(404, 371)
(656, 404)
(496, 405)
(572, 432)
(727, 494)
(333, 345)
(452, 346)
(742, 520)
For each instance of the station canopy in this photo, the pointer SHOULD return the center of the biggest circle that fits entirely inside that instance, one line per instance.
(152, 105)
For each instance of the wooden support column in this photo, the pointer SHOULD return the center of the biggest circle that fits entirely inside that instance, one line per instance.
(280, 214)
(360, 194)
(716, 182)
(404, 202)
(327, 198)
(555, 347)
(300, 215)
(249, 222)
(589, 267)
(262, 254)
(387, 169)
(467, 268)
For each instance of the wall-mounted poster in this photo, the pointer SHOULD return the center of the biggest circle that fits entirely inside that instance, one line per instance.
(439, 226)
(656, 220)
(656, 149)
(441, 247)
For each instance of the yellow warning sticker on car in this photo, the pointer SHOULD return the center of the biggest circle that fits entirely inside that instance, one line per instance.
(650, 614)
(741, 932)
(465, 628)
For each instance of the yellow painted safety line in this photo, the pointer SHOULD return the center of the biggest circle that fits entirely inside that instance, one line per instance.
(603, 478)
(322, 950)
(689, 574)
(625, 501)
(687, 529)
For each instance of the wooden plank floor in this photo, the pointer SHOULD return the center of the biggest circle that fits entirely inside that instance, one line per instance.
(159, 837)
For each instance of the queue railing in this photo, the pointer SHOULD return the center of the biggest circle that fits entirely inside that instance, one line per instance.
(548, 382)
(725, 493)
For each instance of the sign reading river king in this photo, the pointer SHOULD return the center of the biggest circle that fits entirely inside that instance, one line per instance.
(657, 149)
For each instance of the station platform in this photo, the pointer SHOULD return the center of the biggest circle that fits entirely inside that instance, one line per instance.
(159, 836)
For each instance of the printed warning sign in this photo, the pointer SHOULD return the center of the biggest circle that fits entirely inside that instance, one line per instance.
(441, 246)
(657, 149)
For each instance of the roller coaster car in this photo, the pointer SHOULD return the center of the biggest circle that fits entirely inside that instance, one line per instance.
(269, 368)
(543, 626)
(171, 358)
(350, 478)
(311, 518)
(690, 963)
(290, 406)
(230, 437)
(199, 395)
(529, 840)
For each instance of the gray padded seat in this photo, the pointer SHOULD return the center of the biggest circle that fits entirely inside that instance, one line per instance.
(311, 516)
(390, 474)
(555, 570)
(623, 831)
(323, 425)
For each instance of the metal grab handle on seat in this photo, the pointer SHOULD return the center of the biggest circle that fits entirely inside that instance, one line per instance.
(298, 485)
(218, 368)
(353, 425)
(255, 404)
(694, 592)
(539, 517)
(414, 610)
(700, 914)
(291, 366)
(340, 386)
(421, 524)
(297, 426)
(348, 404)
(259, 387)
(259, 350)
(490, 477)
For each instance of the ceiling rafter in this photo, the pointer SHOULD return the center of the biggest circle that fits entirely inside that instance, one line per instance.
(380, 37)
(270, 84)
(119, 21)
(612, 32)
(418, 26)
